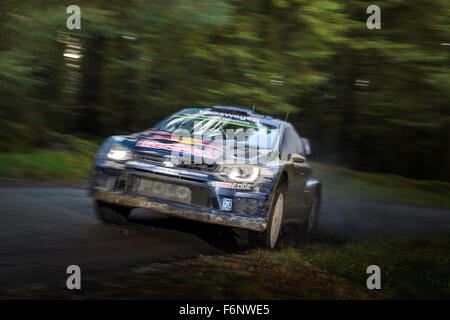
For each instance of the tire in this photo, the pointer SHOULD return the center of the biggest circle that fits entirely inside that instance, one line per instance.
(313, 217)
(112, 213)
(270, 238)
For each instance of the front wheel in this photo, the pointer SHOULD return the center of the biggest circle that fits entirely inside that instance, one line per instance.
(270, 238)
(112, 213)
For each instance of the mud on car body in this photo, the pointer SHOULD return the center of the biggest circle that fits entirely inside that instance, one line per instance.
(204, 175)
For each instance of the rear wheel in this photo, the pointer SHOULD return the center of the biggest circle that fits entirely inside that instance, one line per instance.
(112, 213)
(313, 214)
(270, 238)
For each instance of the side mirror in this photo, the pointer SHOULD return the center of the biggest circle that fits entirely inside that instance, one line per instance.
(306, 146)
(296, 158)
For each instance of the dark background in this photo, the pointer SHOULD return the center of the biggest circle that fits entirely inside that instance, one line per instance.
(373, 100)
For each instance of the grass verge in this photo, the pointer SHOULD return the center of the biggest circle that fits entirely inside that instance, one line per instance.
(415, 267)
(72, 163)
(46, 165)
(386, 187)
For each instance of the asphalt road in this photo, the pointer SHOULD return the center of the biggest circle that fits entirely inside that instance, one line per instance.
(44, 229)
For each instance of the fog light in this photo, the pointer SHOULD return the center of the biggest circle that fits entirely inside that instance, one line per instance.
(183, 193)
(111, 183)
(158, 187)
(245, 206)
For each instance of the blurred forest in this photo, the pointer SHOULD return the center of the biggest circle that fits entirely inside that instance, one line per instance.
(373, 100)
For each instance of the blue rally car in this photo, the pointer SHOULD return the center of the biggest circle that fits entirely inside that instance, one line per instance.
(223, 165)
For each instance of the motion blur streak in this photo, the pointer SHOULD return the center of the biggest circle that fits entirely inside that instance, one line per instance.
(374, 100)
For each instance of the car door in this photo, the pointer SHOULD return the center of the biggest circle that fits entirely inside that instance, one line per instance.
(302, 206)
(297, 172)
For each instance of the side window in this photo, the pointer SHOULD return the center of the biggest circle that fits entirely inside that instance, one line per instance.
(288, 144)
(300, 148)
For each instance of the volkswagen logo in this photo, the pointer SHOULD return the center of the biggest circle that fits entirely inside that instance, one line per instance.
(171, 162)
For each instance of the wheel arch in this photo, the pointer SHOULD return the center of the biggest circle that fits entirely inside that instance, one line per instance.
(283, 178)
(312, 186)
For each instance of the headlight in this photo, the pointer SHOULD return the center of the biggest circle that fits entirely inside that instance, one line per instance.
(238, 172)
(119, 153)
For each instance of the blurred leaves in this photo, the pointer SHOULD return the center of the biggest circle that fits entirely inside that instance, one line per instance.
(367, 98)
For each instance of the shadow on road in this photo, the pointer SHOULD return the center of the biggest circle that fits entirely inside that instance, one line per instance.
(230, 240)
(222, 238)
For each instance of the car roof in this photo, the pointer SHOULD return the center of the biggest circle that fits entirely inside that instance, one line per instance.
(238, 111)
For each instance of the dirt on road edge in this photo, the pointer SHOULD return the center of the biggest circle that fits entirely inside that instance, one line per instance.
(232, 276)
(12, 183)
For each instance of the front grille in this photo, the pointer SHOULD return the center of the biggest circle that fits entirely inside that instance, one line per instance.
(198, 166)
(158, 159)
(173, 191)
(149, 156)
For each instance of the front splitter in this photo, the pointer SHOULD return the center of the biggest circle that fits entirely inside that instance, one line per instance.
(182, 211)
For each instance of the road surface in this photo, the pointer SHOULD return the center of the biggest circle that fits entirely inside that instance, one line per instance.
(44, 229)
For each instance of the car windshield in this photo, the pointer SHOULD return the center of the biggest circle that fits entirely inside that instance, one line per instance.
(250, 134)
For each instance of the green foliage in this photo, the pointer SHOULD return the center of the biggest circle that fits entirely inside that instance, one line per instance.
(71, 160)
(46, 166)
(142, 60)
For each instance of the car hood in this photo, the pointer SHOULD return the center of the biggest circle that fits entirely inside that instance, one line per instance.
(164, 144)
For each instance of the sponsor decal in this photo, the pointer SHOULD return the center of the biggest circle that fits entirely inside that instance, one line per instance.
(234, 119)
(158, 132)
(230, 116)
(227, 204)
(220, 184)
(171, 162)
(185, 140)
(241, 186)
(231, 185)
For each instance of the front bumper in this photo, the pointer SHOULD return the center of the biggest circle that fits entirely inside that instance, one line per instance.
(179, 192)
(179, 210)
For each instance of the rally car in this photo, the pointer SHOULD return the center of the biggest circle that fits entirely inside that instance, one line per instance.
(223, 165)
